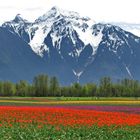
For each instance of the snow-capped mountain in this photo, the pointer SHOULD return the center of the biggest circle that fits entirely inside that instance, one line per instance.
(76, 48)
(64, 20)
(130, 27)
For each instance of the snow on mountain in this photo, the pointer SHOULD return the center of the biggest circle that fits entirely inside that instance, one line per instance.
(59, 23)
(130, 27)
(79, 46)
(37, 35)
(88, 37)
(16, 24)
(66, 20)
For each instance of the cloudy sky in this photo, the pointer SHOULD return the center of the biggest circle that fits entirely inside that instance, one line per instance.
(98, 10)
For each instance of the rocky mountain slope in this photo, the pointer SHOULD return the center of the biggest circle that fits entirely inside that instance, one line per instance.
(71, 47)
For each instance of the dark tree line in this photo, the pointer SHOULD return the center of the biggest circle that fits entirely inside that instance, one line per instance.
(43, 86)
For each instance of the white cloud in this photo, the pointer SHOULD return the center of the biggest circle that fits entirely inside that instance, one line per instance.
(99, 10)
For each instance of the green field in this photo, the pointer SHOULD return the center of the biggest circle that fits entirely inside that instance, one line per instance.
(71, 98)
(69, 101)
(51, 133)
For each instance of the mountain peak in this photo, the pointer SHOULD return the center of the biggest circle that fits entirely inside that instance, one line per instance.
(17, 22)
(18, 18)
(54, 12)
(65, 13)
(55, 8)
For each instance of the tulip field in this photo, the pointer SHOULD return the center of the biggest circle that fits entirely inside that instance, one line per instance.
(67, 121)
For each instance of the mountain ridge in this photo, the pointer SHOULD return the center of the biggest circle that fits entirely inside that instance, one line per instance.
(78, 46)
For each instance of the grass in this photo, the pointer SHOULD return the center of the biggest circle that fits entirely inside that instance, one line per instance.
(68, 101)
(71, 98)
(66, 133)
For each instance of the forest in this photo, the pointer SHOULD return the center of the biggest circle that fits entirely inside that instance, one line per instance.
(45, 86)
